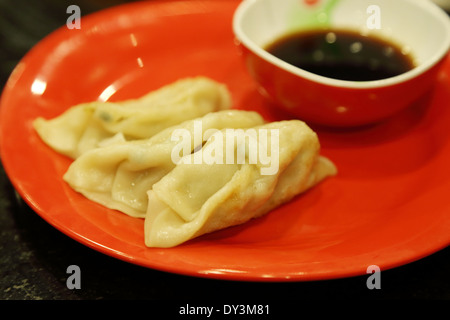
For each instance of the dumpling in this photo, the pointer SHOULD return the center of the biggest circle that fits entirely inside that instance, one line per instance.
(84, 126)
(119, 174)
(198, 198)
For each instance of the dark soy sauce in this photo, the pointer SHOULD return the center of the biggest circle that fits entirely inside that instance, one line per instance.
(342, 54)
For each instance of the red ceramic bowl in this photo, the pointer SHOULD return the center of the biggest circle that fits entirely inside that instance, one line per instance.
(418, 26)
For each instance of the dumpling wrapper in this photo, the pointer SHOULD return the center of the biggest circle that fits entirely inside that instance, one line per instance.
(83, 127)
(119, 174)
(195, 199)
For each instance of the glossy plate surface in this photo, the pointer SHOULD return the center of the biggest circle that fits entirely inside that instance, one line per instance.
(388, 206)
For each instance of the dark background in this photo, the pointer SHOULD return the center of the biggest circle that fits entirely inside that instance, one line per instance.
(34, 256)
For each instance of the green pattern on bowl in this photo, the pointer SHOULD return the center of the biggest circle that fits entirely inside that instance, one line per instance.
(311, 16)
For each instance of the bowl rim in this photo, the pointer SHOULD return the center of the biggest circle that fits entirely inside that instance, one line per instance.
(432, 8)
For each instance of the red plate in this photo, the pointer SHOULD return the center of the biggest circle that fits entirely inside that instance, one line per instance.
(388, 206)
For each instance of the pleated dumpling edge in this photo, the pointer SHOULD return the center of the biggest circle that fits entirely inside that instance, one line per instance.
(195, 199)
(119, 175)
(84, 126)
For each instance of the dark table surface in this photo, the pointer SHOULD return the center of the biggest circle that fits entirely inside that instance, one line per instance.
(34, 256)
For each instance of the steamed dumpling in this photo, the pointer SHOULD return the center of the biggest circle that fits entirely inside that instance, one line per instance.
(194, 199)
(85, 126)
(119, 174)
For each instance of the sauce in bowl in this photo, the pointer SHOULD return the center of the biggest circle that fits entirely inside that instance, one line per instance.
(342, 54)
